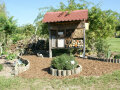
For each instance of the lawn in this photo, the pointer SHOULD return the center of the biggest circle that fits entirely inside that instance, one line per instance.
(114, 44)
(108, 81)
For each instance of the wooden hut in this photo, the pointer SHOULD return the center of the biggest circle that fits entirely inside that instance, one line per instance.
(66, 29)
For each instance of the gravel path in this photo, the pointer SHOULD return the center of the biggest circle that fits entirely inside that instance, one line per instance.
(39, 68)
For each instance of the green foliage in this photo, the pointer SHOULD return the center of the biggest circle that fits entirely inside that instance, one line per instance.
(4, 52)
(102, 48)
(72, 5)
(17, 37)
(117, 56)
(42, 29)
(11, 56)
(102, 25)
(64, 62)
(1, 67)
(2, 8)
(7, 25)
(29, 29)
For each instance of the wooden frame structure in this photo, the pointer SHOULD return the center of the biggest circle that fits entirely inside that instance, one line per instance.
(66, 33)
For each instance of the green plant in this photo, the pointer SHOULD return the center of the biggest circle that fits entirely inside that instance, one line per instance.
(1, 67)
(17, 37)
(4, 52)
(11, 56)
(108, 54)
(64, 62)
(117, 56)
(102, 48)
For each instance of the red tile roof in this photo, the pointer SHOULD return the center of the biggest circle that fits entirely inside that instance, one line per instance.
(65, 16)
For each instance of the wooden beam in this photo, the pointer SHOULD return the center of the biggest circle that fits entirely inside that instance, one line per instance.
(84, 42)
(50, 43)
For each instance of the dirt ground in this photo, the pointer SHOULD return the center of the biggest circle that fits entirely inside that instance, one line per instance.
(7, 68)
(39, 68)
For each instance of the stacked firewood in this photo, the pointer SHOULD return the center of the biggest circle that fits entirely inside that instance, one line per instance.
(74, 43)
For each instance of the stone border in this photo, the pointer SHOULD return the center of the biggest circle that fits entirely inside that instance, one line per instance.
(104, 60)
(19, 69)
(56, 72)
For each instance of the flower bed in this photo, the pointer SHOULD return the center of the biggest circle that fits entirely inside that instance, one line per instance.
(64, 65)
(56, 72)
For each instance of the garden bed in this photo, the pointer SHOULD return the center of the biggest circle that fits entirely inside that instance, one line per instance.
(56, 72)
(40, 68)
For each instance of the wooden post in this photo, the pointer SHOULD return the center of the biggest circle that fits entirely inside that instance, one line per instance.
(84, 41)
(50, 43)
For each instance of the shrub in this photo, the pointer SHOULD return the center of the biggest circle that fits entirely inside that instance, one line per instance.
(1, 67)
(117, 56)
(64, 62)
(17, 37)
(102, 48)
(11, 56)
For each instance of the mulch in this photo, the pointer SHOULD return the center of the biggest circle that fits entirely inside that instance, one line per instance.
(39, 68)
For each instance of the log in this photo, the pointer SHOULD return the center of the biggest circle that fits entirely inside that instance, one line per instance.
(60, 72)
(68, 72)
(64, 72)
(73, 71)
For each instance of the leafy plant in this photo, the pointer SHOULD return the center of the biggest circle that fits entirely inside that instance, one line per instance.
(117, 56)
(11, 56)
(17, 37)
(64, 62)
(1, 67)
(102, 48)
(4, 52)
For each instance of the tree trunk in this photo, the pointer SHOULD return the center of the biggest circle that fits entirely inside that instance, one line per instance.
(6, 35)
(115, 34)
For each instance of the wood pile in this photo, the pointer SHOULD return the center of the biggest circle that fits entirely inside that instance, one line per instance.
(74, 43)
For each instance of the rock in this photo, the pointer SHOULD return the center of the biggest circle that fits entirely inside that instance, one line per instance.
(39, 55)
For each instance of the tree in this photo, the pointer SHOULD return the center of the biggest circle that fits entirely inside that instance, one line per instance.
(2, 8)
(102, 25)
(7, 25)
(28, 29)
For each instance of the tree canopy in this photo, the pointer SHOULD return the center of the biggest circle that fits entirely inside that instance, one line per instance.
(7, 24)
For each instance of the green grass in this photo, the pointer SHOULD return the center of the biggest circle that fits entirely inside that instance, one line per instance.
(1, 67)
(114, 44)
(105, 82)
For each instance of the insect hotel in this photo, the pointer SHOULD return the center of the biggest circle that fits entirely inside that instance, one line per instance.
(66, 29)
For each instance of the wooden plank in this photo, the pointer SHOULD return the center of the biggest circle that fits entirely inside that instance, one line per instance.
(84, 43)
(53, 41)
(50, 43)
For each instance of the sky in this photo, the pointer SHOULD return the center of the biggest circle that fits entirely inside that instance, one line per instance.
(25, 11)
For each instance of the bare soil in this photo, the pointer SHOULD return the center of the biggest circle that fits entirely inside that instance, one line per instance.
(39, 68)
(7, 68)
